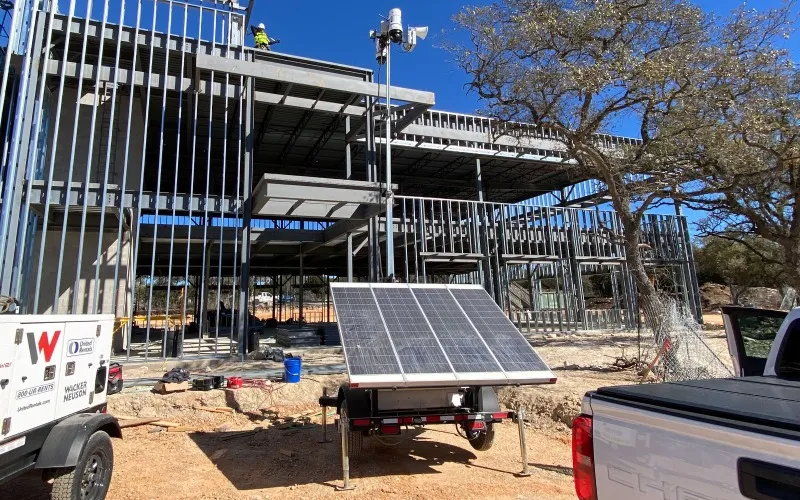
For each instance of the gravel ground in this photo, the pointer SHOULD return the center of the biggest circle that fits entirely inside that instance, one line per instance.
(435, 462)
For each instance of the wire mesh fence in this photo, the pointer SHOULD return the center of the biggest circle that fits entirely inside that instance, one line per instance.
(676, 344)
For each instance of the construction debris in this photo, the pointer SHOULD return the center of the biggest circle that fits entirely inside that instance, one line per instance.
(136, 422)
(239, 434)
(169, 388)
(181, 428)
(216, 409)
(165, 423)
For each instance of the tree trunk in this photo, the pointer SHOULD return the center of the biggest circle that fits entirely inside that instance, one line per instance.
(646, 292)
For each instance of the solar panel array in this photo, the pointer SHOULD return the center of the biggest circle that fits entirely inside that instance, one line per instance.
(415, 335)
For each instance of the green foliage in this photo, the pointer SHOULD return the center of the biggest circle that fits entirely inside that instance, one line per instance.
(741, 265)
(758, 334)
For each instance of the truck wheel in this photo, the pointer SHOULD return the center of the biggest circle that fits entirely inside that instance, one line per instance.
(91, 477)
(482, 440)
(355, 442)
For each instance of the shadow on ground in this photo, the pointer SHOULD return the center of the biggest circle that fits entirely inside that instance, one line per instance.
(28, 486)
(558, 469)
(312, 462)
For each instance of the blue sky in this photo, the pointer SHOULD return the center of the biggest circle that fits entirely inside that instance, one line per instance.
(338, 31)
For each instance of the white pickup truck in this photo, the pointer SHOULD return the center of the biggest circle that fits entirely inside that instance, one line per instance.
(705, 439)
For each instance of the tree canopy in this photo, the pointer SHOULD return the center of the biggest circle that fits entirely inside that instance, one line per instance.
(737, 266)
(582, 67)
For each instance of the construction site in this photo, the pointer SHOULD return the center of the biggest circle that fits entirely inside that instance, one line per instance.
(158, 168)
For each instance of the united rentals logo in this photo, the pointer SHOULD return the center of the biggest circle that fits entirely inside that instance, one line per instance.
(46, 345)
(80, 347)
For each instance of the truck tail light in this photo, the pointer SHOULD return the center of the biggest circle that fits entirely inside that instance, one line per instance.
(583, 458)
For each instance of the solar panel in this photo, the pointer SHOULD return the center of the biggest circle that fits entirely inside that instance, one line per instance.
(464, 347)
(367, 347)
(417, 347)
(512, 350)
(398, 335)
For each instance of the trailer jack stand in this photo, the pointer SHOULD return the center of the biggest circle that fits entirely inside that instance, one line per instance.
(325, 438)
(523, 448)
(344, 426)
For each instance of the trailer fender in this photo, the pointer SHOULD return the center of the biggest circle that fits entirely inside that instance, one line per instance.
(486, 399)
(66, 439)
(358, 402)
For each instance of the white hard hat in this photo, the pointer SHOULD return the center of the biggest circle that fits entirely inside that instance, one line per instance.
(261, 26)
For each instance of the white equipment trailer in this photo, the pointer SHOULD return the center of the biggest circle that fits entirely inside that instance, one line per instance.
(53, 388)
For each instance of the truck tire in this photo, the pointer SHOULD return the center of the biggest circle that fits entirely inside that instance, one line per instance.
(91, 477)
(355, 442)
(484, 439)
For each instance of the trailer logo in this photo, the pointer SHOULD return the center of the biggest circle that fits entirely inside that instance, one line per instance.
(80, 347)
(74, 391)
(46, 345)
(35, 391)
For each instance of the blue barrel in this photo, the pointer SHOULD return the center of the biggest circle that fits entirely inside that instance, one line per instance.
(291, 370)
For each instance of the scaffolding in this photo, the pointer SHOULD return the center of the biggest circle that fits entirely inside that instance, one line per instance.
(156, 168)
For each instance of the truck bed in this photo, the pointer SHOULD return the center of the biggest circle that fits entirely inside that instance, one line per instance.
(757, 403)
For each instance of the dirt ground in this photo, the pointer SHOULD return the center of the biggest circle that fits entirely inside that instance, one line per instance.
(212, 461)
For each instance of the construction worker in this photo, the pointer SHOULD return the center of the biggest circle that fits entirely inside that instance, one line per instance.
(261, 38)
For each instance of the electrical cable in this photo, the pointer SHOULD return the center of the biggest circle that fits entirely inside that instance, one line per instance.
(464, 435)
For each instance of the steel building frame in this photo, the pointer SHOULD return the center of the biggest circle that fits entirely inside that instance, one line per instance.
(150, 156)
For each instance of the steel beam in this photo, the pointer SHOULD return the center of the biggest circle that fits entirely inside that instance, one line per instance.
(177, 84)
(263, 70)
(301, 125)
(323, 139)
(262, 129)
(59, 196)
(128, 36)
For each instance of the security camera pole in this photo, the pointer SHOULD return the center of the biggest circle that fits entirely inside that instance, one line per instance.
(391, 31)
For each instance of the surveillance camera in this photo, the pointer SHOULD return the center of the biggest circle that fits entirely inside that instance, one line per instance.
(380, 51)
(395, 26)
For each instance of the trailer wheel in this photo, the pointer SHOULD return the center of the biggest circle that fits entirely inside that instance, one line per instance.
(91, 477)
(355, 442)
(482, 440)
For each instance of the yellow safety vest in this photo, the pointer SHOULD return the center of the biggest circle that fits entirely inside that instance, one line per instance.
(261, 38)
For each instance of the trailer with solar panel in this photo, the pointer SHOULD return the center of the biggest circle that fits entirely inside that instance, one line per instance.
(421, 354)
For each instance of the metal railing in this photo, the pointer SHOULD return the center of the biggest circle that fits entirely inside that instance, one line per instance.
(517, 233)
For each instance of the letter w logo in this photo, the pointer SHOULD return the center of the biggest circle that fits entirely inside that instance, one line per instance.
(45, 345)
